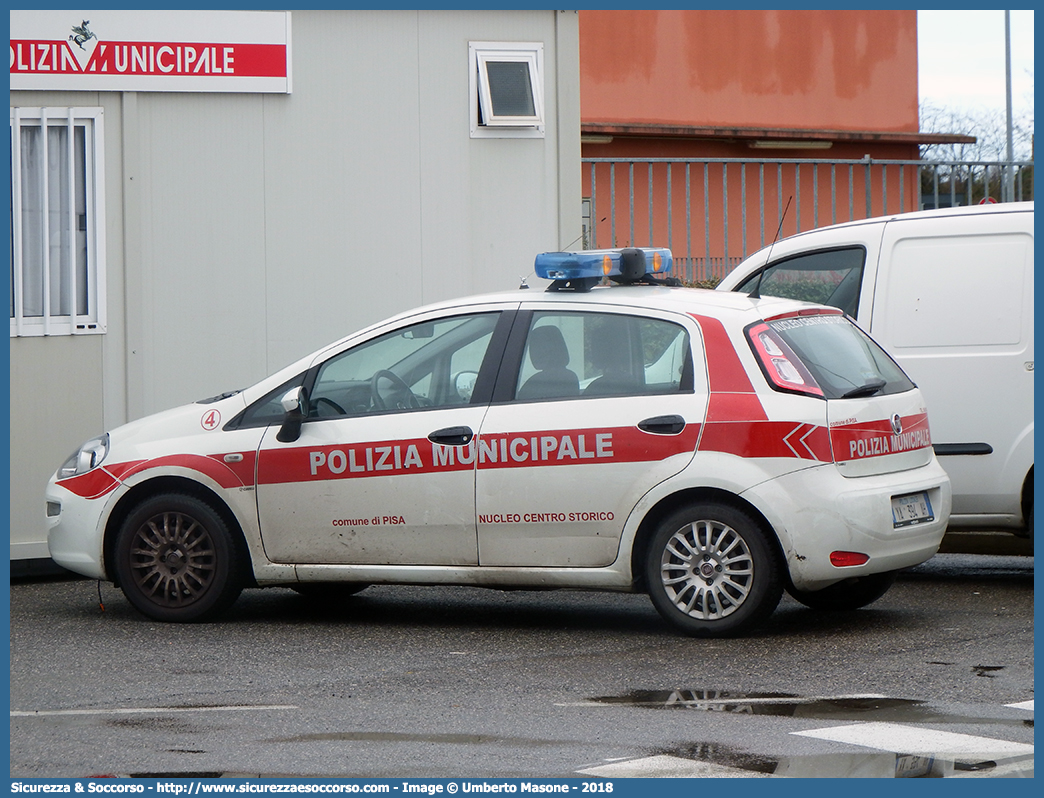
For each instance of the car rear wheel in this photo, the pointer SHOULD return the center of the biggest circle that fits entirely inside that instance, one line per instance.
(848, 595)
(176, 559)
(711, 571)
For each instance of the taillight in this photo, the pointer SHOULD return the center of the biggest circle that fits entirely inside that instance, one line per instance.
(846, 559)
(783, 369)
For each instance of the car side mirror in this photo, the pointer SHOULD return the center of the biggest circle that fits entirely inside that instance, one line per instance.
(464, 383)
(294, 403)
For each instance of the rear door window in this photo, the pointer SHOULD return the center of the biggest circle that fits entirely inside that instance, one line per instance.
(573, 354)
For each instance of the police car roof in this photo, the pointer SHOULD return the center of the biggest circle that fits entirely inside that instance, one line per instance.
(677, 299)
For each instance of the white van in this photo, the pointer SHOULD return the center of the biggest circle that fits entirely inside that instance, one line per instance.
(949, 293)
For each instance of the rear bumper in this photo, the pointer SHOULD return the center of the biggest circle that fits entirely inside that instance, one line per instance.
(818, 511)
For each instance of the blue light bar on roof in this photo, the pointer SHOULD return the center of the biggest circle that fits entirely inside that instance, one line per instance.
(632, 263)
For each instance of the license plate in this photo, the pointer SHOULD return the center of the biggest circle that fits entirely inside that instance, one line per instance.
(913, 767)
(913, 508)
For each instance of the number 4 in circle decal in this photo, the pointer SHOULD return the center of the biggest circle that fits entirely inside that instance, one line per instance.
(211, 419)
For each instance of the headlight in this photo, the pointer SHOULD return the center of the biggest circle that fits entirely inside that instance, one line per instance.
(88, 456)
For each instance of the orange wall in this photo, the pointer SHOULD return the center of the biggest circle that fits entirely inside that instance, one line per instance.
(827, 69)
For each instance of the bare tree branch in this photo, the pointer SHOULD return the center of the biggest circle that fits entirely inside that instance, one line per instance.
(988, 127)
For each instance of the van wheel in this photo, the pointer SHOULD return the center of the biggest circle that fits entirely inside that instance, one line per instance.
(848, 595)
(176, 560)
(711, 571)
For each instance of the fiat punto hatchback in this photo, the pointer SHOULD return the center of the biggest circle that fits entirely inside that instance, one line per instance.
(710, 449)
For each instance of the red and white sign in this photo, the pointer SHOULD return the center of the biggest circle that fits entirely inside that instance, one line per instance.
(190, 51)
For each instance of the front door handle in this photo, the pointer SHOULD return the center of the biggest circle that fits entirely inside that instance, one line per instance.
(662, 425)
(452, 436)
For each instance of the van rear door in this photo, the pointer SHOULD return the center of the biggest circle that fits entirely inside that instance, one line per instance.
(955, 308)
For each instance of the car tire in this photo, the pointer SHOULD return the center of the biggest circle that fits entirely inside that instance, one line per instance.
(176, 561)
(712, 571)
(328, 591)
(848, 595)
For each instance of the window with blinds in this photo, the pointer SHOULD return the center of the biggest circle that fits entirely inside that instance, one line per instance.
(56, 263)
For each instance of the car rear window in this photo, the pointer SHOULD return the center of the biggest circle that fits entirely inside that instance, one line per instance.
(841, 360)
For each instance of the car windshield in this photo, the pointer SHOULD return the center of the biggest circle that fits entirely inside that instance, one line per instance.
(845, 362)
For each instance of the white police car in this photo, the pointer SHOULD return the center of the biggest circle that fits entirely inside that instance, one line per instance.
(710, 449)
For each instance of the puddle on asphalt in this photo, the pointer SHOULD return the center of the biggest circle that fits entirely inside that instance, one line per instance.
(869, 763)
(723, 756)
(987, 670)
(879, 765)
(835, 708)
(778, 704)
(872, 764)
(864, 764)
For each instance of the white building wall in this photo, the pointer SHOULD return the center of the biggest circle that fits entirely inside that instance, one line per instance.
(66, 389)
(245, 230)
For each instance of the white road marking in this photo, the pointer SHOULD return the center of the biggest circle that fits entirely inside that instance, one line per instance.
(141, 710)
(669, 767)
(938, 751)
(913, 740)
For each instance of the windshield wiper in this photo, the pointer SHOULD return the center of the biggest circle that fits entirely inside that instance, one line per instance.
(869, 389)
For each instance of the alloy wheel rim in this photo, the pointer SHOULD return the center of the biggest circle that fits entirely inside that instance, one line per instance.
(707, 570)
(173, 559)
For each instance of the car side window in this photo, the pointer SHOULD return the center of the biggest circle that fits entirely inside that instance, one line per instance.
(571, 354)
(430, 364)
(830, 277)
(268, 409)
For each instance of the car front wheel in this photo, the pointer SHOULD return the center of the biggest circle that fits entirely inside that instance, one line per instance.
(176, 559)
(711, 571)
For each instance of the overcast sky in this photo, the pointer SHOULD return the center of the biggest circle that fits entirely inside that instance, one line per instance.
(961, 59)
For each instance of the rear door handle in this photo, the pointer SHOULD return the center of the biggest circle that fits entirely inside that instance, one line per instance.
(452, 436)
(662, 425)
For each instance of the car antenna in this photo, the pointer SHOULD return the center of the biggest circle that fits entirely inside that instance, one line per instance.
(756, 293)
(582, 235)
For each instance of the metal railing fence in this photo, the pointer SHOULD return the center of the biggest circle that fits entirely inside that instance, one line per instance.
(714, 212)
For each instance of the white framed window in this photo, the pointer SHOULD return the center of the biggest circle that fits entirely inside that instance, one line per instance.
(57, 256)
(507, 89)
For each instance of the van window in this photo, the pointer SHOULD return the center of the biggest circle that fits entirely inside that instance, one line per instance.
(830, 277)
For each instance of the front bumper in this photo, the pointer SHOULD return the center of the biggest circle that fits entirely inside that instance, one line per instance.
(75, 530)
